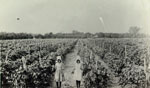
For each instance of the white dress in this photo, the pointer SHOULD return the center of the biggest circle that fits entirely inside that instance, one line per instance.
(59, 72)
(78, 72)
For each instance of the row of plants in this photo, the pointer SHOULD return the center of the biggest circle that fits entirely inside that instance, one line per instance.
(30, 63)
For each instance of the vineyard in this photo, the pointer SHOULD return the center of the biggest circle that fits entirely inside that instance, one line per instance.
(107, 63)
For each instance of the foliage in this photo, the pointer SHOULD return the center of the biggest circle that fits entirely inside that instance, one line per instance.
(40, 60)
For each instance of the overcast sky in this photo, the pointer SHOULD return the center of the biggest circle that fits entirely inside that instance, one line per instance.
(42, 16)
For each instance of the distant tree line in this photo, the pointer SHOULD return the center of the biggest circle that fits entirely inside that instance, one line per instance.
(4, 36)
(133, 33)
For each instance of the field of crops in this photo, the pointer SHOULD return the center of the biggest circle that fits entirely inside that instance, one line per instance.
(117, 58)
(107, 63)
(40, 60)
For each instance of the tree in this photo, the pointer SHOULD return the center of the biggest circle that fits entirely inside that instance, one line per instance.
(88, 35)
(48, 35)
(134, 30)
(40, 36)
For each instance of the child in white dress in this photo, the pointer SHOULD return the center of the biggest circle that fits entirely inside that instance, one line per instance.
(59, 75)
(78, 71)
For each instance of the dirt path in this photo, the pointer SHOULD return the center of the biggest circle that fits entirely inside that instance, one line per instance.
(69, 66)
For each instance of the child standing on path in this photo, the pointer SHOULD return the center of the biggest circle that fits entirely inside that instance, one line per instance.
(59, 75)
(78, 71)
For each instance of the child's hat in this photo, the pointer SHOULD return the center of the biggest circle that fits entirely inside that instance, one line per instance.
(58, 57)
(78, 58)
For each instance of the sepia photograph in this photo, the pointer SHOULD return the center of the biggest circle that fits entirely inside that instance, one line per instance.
(74, 43)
